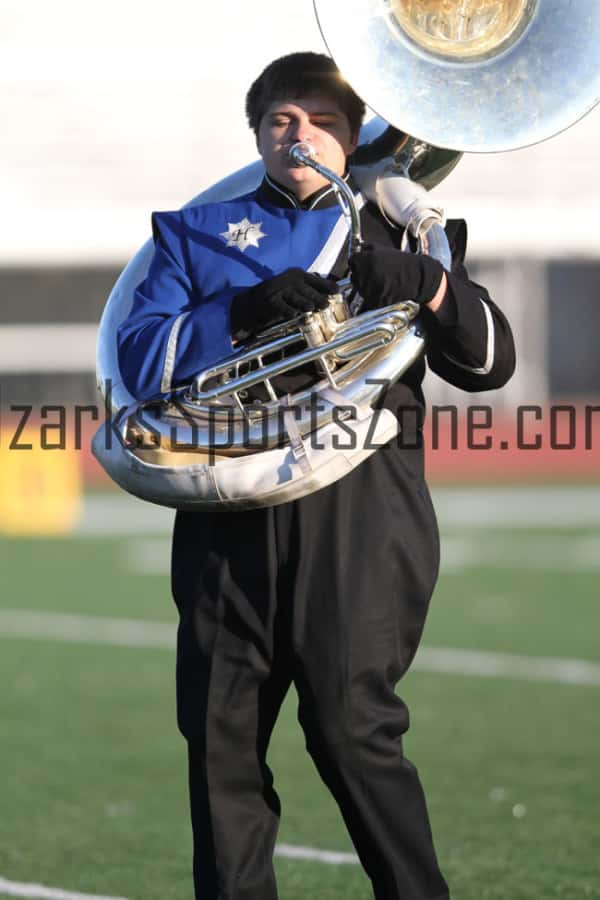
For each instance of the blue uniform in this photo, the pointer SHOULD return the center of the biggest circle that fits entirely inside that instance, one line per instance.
(205, 255)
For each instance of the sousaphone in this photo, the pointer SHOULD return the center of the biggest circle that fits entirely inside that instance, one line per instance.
(463, 75)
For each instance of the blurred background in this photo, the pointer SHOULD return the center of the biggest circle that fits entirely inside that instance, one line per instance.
(110, 111)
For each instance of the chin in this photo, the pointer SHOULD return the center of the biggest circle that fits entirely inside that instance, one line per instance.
(304, 177)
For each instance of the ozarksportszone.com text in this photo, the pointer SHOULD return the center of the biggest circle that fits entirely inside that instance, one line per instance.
(477, 427)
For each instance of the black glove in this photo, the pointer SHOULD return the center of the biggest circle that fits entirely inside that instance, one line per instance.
(385, 276)
(278, 299)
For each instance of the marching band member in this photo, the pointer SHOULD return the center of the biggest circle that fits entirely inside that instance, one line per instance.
(330, 591)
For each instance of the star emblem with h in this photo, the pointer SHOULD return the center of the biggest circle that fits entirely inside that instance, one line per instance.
(243, 234)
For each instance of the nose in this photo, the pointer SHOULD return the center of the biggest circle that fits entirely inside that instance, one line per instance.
(301, 130)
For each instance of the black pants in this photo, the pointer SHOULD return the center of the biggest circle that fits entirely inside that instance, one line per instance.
(329, 592)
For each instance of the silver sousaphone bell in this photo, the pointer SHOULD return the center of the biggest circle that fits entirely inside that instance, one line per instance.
(477, 76)
(464, 75)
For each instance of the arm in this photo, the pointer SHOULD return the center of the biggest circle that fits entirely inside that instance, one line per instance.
(171, 333)
(470, 342)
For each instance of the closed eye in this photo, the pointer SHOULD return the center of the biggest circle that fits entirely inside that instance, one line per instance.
(323, 121)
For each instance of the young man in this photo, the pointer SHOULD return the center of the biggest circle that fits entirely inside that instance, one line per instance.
(331, 591)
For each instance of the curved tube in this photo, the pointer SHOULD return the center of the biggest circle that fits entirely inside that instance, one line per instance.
(303, 154)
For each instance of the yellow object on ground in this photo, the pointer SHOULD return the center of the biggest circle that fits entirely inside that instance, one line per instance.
(40, 489)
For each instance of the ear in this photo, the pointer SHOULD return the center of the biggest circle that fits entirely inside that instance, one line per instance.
(258, 144)
(354, 142)
(257, 137)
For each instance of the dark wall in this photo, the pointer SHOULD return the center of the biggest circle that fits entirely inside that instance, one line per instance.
(37, 389)
(52, 294)
(574, 328)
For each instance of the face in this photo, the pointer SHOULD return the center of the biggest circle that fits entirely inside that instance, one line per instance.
(317, 120)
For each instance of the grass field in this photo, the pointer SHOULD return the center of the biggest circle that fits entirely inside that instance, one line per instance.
(93, 796)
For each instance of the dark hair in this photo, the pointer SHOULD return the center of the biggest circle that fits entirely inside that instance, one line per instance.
(302, 75)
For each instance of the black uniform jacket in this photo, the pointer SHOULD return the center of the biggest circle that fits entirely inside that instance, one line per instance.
(469, 340)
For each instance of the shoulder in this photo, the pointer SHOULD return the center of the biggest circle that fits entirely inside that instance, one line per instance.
(378, 228)
(179, 221)
(218, 209)
(165, 223)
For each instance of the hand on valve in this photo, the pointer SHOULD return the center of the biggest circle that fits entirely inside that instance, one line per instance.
(384, 276)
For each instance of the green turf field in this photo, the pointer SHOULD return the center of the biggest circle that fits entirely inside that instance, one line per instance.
(93, 796)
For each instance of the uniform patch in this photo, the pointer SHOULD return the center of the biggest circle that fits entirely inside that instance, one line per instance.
(243, 234)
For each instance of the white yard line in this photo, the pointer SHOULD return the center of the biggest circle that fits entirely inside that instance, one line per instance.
(114, 515)
(332, 857)
(541, 507)
(505, 665)
(86, 629)
(286, 851)
(547, 553)
(39, 892)
(448, 660)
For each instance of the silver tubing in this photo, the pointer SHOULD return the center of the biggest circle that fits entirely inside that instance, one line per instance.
(434, 243)
(303, 154)
(379, 332)
(219, 426)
